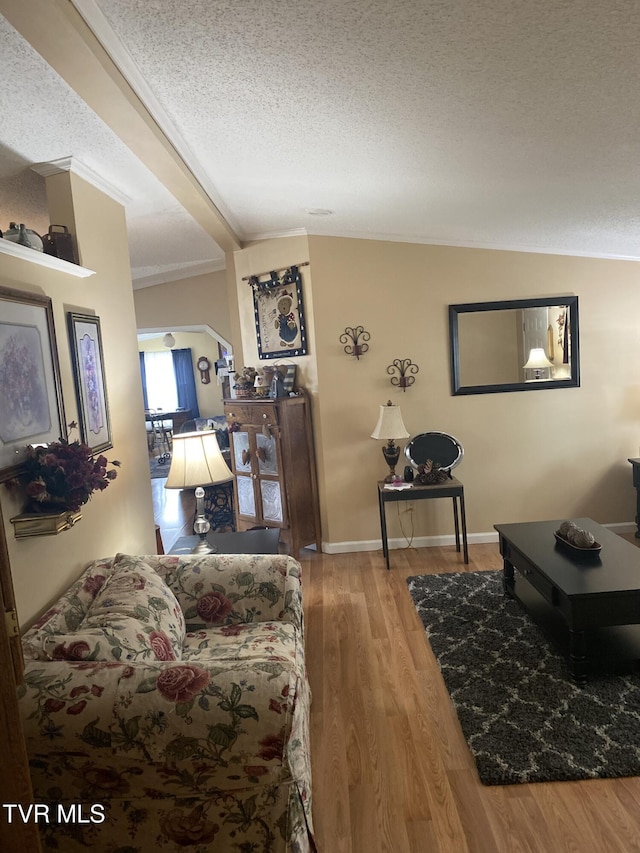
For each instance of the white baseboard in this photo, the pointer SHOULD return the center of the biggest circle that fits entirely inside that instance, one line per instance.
(401, 542)
(622, 527)
(438, 541)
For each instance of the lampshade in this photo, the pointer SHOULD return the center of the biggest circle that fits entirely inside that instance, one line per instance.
(390, 424)
(196, 460)
(168, 340)
(537, 360)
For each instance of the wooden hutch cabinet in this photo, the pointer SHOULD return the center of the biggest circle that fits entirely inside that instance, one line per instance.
(273, 460)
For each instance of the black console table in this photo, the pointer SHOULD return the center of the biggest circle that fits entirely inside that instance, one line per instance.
(635, 464)
(451, 488)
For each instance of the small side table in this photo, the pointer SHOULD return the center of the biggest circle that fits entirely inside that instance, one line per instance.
(449, 489)
(635, 464)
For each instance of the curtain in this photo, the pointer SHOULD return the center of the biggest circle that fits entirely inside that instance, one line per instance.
(162, 392)
(143, 374)
(185, 380)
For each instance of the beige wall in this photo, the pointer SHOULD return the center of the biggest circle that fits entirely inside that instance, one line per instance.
(200, 300)
(528, 455)
(201, 344)
(121, 518)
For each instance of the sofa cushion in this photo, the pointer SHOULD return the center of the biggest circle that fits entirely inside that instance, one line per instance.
(227, 589)
(272, 644)
(134, 616)
(69, 612)
(135, 591)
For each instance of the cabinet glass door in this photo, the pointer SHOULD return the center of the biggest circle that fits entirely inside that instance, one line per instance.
(271, 500)
(246, 495)
(267, 454)
(241, 452)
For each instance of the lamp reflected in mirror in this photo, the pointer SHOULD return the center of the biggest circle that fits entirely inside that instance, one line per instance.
(539, 363)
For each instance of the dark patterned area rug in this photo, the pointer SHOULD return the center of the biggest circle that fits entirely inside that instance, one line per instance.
(159, 470)
(522, 716)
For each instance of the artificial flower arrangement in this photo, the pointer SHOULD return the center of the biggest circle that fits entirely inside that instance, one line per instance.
(62, 475)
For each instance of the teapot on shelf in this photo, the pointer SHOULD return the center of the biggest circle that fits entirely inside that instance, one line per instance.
(23, 236)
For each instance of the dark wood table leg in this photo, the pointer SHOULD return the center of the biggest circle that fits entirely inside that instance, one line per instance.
(578, 656)
(383, 529)
(456, 523)
(463, 518)
(635, 467)
(508, 579)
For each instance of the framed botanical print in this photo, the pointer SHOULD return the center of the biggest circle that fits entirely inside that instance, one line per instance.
(279, 314)
(31, 409)
(91, 390)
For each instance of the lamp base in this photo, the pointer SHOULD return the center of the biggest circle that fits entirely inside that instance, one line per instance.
(203, 546)
(391, 454)
(201, 526)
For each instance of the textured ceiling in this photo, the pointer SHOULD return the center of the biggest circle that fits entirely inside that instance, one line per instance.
(43, 119)
(501, 123)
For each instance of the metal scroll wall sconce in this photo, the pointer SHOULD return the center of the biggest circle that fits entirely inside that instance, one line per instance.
(355, 338)
(406, 370)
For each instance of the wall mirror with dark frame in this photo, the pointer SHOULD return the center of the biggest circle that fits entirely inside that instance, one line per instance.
(514, 345)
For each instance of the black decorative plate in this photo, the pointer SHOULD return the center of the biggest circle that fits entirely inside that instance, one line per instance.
(437, 446)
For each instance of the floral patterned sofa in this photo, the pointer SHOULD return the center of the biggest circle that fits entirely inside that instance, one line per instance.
(172, 692)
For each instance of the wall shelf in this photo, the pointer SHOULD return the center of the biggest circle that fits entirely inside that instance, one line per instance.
(44, 523)
(7, 247)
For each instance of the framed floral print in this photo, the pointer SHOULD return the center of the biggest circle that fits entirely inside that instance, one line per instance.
(31, 409)
(88, 372)
(279, 314)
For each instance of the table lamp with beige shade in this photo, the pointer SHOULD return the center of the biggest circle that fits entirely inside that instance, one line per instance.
(196, 462)
(390, 426)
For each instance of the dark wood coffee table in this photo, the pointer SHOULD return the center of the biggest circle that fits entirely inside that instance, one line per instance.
(588, 591)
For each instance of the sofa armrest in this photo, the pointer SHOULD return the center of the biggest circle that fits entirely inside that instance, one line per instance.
(228, 589)
(62, 703)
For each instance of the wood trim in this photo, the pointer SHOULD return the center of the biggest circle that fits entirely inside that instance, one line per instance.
(15, 782)
(9, 604)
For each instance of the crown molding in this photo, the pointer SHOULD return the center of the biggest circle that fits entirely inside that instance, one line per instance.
(426, 241)
(73, 164)
(178, 274)
(412, 239)
(273, 235)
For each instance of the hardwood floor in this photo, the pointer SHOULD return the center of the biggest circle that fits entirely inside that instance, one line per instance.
(173, 510)
(391, 769)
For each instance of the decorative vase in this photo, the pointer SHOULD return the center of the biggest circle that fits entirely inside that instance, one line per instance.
(23, 236)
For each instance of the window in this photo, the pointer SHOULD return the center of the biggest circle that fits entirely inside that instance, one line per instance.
(168, 381)
(162, 390)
